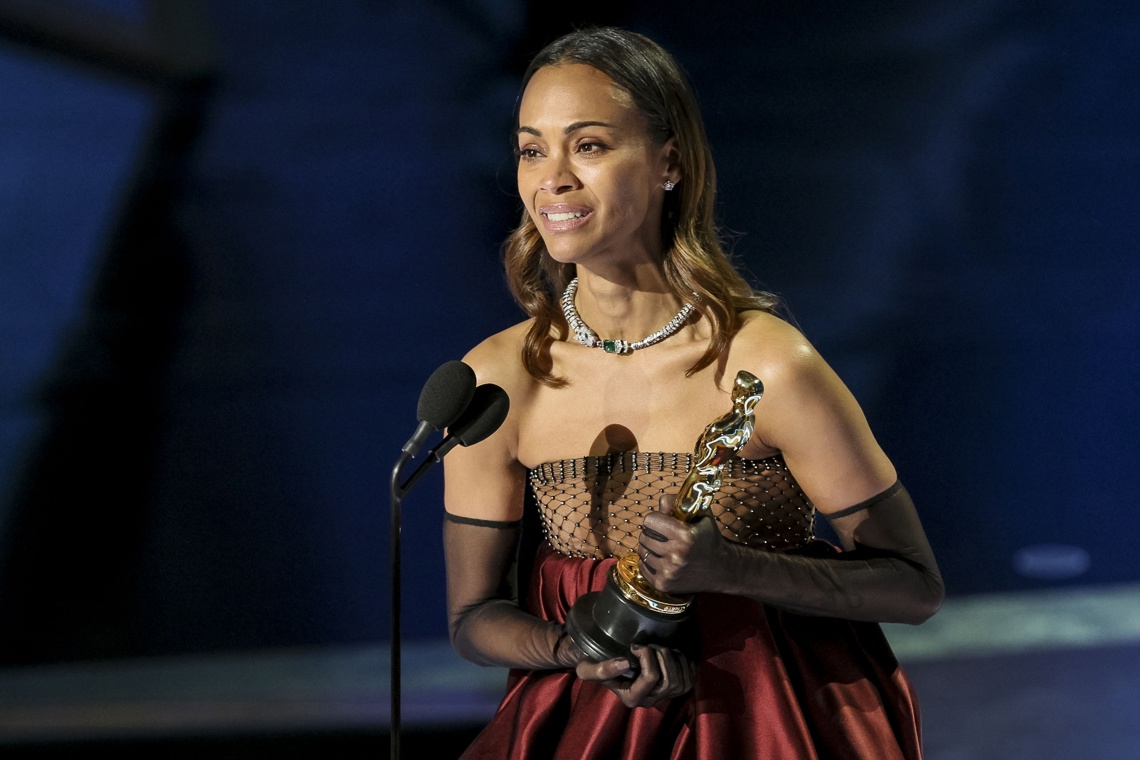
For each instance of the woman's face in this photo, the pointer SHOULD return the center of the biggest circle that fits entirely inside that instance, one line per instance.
(589, 174)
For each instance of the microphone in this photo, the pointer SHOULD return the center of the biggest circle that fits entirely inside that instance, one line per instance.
(445, 396)
(486, 412)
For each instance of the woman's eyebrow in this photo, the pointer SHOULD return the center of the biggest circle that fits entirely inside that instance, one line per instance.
(581, 124)
(570, 128)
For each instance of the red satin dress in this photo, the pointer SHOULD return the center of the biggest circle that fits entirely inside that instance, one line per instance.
(769, 684)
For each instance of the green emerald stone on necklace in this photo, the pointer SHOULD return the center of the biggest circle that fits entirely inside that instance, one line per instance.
(610, 346)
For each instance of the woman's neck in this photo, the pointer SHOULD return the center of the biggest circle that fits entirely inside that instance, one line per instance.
(628, 304)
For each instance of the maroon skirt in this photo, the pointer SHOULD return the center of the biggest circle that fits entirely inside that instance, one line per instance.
(769, 684)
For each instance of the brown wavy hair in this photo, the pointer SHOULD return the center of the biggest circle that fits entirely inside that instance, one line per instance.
(692, 256)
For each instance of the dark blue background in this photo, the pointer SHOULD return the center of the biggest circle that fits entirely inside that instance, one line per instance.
(945, 192)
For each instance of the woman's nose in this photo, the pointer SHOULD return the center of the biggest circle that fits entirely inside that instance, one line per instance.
(559, 175)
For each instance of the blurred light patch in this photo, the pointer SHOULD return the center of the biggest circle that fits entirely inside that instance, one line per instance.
(1051, 561)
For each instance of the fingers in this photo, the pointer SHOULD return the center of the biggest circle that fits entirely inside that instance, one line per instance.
(636, 693)
(662, 523)
(670, 673)
(663, 674)
(677, 675)
(663, 546)
(663, 527)
(647, 555)
(605, 671)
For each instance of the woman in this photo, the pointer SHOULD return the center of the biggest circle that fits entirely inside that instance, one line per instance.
(617, 240)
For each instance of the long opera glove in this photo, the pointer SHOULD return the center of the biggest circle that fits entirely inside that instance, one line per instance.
(487, 627)
(887, 574)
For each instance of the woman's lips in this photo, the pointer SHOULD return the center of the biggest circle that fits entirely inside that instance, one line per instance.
(561, 218)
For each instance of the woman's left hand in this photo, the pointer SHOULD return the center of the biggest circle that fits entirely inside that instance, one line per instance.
(661, 675)
(682, 558)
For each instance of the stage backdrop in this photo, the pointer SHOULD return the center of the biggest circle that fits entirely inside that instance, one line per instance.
(196, 429)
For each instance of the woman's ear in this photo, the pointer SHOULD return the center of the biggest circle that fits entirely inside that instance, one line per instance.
(671, 158)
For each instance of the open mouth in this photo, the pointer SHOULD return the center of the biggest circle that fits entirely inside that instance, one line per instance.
(565, 216)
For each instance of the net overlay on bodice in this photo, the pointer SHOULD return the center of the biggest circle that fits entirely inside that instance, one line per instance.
(594, 506)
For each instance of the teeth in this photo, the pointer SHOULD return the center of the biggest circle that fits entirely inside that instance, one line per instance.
(563, 217)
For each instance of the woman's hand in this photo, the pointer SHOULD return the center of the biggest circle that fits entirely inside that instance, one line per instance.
(664, 674)
(682, 558)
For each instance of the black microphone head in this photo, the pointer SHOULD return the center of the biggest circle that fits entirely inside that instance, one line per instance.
(446, 394)
(488, 409)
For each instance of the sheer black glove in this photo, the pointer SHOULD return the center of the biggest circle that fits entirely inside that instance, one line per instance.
(887, 573)
(487, 627)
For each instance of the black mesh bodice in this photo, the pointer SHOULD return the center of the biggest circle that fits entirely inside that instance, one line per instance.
(593, 506)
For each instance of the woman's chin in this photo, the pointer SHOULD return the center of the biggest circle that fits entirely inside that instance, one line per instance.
(567, 254)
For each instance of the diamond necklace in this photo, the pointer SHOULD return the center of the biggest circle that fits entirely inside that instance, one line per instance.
(590, 339)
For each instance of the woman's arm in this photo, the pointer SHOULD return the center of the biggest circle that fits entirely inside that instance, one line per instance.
(887, 572)
(888, 576)
(483, 496)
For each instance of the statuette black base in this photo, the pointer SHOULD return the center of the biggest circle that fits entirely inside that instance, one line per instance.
(605, 624)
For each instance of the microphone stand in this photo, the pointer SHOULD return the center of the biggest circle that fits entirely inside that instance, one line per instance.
(396, 498)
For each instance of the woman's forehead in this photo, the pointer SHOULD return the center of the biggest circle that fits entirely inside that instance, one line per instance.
(568, 93)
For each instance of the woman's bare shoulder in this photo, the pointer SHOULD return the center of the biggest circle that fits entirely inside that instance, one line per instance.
(767, 343)
(485, 480)
(497, 359)
(810, 416)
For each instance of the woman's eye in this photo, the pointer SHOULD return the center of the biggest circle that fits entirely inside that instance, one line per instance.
(527, 154)
(591, 147)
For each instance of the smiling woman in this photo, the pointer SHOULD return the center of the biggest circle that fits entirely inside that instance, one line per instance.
(590, 175)
(617, 250)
